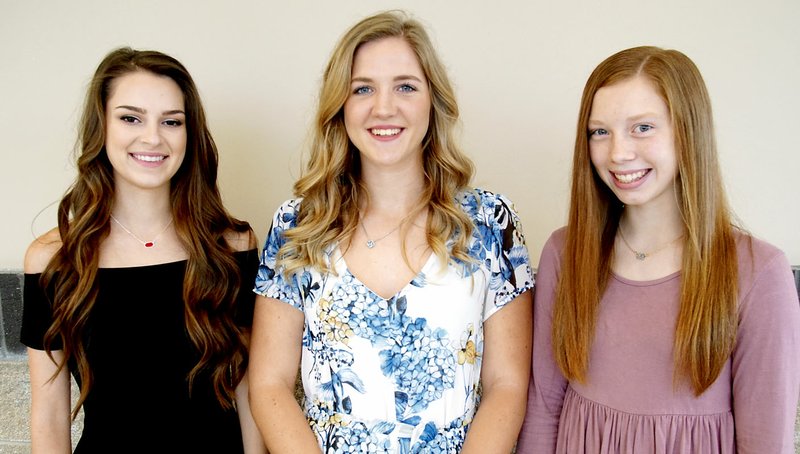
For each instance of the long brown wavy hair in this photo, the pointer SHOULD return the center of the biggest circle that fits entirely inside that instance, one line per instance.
(212, 278)
(331, 185)
(706, 327)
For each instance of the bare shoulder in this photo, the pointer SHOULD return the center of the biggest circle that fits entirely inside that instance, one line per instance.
(241, 241)
(41, 250)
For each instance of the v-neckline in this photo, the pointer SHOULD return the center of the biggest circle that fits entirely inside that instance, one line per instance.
(341, 267)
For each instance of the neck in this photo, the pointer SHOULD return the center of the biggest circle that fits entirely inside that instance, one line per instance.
(142, 209)
(646, 237)
(393, 193)
(656, 224)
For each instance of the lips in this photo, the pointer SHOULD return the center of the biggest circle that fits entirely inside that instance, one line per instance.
(630, 177)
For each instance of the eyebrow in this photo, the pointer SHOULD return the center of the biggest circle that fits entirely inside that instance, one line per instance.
(635, 118)
(144, 111)
(395, 79)
(646, 115)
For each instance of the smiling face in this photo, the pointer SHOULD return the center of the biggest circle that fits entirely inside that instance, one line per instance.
(145, 130)
(631, 143)
(388, 110)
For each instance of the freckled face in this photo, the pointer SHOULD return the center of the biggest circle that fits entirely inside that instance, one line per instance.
(388, 110)
(145, 130)
(631, 142)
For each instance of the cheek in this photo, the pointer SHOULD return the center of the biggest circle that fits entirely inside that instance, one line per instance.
(425, 114)
(114, 137)
(351, 108)
(424, 125)
(350, 114)
(596, 154)
(182, 141)
(671, 152)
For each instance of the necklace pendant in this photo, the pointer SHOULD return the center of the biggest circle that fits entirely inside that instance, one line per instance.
(370, 244)
(146, 244)
(639, 255)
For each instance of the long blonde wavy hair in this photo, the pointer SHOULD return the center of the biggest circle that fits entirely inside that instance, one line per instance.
(706, 327)
(331, 186)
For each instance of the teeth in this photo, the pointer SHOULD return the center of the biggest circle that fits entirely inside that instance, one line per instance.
(386, 132)
(630, 177)
(148, 158)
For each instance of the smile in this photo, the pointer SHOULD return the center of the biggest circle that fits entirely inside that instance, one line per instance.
(630, 177)
(385, 132)
(148, 158)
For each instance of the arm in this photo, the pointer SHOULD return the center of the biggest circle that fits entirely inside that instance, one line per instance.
(50, 393)
(253, 444)
(250, 436)
(766, 361)
(547, 386)
(274, 361)
(50, 404)
(504, 379)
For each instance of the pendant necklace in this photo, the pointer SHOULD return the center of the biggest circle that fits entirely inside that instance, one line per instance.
(147, 244)
(371, 243)
(640, 255)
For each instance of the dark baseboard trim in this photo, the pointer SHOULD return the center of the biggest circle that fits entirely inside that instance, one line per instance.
(11, 314)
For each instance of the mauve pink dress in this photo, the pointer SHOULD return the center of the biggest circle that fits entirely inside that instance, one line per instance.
(629, 403)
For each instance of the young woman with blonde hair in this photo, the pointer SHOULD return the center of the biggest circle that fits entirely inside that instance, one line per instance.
(398, 287)
(659, 326)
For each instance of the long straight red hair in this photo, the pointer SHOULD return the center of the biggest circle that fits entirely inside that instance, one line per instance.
(705, 331)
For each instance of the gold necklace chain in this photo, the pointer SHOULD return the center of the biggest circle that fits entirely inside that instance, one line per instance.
(147, 244)
(640, 255)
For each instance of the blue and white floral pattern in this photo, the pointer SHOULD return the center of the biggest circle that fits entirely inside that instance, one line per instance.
(400, 375)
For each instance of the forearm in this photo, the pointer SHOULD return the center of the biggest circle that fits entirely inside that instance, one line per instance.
(251, 438)
(281, 421)
(504, 378)
(497, 421)
(272, 374)
(50, 433)
(539, 432)
(50, 405)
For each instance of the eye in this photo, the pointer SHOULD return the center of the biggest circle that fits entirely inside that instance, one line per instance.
(130, 119)
(406, 88)
(642, 128)
(598, 132)
(173, 122)
(362, 90)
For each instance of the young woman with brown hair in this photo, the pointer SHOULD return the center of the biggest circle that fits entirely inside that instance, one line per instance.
(143, 291)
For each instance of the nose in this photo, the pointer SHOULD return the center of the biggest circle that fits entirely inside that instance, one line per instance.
(151, 134)
(621, 149)
(384, 104)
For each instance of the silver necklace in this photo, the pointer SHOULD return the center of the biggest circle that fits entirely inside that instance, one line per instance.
(147, 244)
(640, 255)
(371, 243)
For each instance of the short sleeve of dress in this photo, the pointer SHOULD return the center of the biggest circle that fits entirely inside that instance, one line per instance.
(270, 281)
(503, 251)
(37, 316)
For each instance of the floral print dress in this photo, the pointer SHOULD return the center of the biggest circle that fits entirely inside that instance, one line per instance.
(400, 375)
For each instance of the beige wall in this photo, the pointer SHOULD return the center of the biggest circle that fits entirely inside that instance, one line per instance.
(518, 67)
